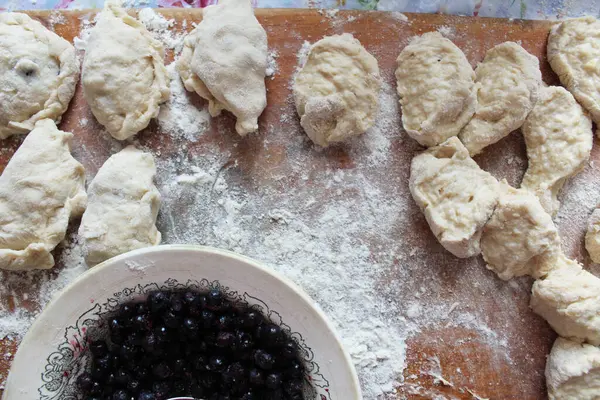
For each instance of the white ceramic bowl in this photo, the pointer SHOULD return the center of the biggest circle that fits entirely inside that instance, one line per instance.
(50, 358)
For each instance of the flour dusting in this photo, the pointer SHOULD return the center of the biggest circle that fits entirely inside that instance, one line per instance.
(162, 29)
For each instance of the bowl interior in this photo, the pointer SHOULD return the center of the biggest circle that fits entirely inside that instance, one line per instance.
(50, 357)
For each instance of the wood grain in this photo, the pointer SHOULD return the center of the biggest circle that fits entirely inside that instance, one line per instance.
(470, 364)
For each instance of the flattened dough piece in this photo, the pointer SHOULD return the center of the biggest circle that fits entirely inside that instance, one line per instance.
(456, 196)
(574, 54)
(573, 371)
(41, 188)
(592, 237)
(337, 90)
(122, 209)
(224, 60)
(558, 135)
(520, 237)
(435, 85)
(569, 299)
(507, 84)
(38, 74)
(124, 75)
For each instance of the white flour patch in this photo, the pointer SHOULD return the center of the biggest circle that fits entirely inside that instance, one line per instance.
(161, 29)
(272, 66)
(179, 117)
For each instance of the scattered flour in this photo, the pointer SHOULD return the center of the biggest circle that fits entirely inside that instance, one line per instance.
(272, 67)
(448, 32)
(161, 28)
(398, 16)
(179, 117)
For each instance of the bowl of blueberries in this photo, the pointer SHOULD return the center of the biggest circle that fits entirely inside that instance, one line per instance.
(181, 322)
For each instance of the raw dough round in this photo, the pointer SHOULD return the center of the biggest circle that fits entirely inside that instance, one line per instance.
(569, 299)
(574, 52)
(124, 76)
(507, 85)
(520, 238)
(38, 74)
(224, 60)
(435, 85)
(337, 90)
(573, 371)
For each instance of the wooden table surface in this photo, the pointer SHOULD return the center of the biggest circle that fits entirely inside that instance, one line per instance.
(471, 365)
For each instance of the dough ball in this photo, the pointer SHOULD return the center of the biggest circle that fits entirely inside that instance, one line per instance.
(456, 196)
(507, 84)
(573, 371)
(435, 85)
(38, 74)
(520, 237)
(122, 209)
(568, 297)
(558, 135)
(574, 54)
(41, 189)
(124, 75)
(224, 60)
(592, 237)
(337, 90)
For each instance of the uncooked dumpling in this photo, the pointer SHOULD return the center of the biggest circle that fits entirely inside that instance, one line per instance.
(558, 135)
(573, 371)
(456, 196)
(507, 84)
(122, 209)
(41, 188)
(224, 60)
(574, 54)
(38, 74)
(337, 90)
(124, 76)
(435, 85)
(520, 237)
(568, 297)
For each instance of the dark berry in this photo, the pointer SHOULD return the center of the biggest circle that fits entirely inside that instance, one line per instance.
(161, 389)
(120, 395)
(126, 310)
(208, 380)
(150, 343)
(294, 386)
(214, 298)
(141, 308)
(216, 363)
(201, 363)
(248, 396)
(115, 325)
(141, 322)
(256, 377)
(85, 382)
(190, 326)
(179, 365)
(134, 385)
(122, 377)
(289, 350)
(263, 359)
(273, 380)
(146, 395)
(225, 339)
(171, 319)
(224, 322)
(176, 304)
(99, 348)
(162, 334)
(141, 372)
(192, 298)
(295, 369)
(251, 319)
(207, 317)
(161, 371)
(158, 302)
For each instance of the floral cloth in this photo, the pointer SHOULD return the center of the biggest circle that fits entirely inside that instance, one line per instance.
(528, 9)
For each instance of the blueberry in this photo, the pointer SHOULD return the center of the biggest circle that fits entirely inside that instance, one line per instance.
(146, 395)
(126, 310)
(192, 298)
(162, 333)
(120, 395)
(276, 394)
(201, 363)
(248, 396)
(134, 385)
(224, 322)
(85, 382)
(215, 298)
(141, 308)
(158, 302)
(256, 377)
(97, 388)
(216, 363)
(263, 359)
(294, 386)
(141, 372)
(179, 365)
(273, 380)
(161, 389)
(171, 319)
(225, 339)
(176, 304)
(115, 325)
(289, 350)
(207, 317)
(295, 369)
(98, 348)
(208, 380)
(181, 388)
(251, 319)
(141, 322)
(122, 377)
(150, 343)
(161, 371)
(190, 326)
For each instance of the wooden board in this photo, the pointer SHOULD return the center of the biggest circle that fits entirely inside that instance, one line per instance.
(468, 362)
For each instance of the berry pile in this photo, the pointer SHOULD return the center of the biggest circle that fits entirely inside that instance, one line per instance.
(187, 343)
